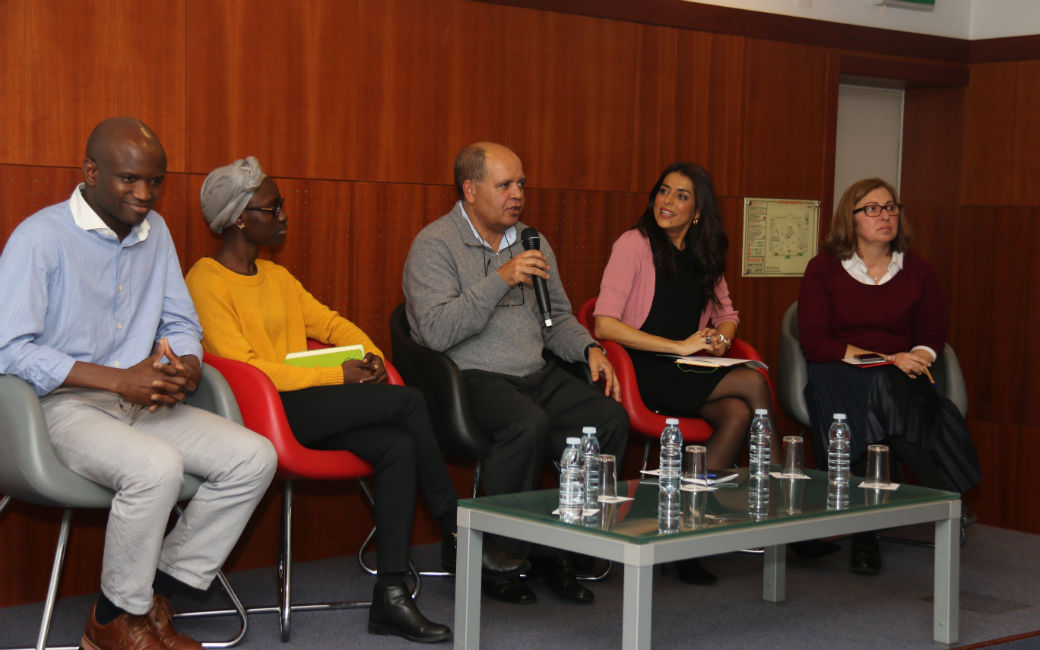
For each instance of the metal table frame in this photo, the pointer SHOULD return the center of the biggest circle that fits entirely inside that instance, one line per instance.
(639, 558)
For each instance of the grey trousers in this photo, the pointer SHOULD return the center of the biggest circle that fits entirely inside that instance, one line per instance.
(143, 456)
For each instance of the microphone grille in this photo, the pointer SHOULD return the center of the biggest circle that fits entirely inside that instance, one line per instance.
(530, 239)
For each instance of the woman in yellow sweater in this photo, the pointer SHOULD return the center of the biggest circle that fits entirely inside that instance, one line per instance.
(254, 310)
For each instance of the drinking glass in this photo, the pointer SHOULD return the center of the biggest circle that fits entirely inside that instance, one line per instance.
(793, 454)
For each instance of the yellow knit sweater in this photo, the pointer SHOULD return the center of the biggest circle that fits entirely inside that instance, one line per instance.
(261, 318)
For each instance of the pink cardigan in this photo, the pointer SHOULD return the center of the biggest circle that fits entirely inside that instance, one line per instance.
(627, 289)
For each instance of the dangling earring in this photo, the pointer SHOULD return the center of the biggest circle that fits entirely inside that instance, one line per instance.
(241, 225)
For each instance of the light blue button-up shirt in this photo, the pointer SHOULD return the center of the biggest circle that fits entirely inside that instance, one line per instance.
(71, 291)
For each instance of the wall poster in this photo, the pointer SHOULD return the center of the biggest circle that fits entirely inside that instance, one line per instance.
(780, 237)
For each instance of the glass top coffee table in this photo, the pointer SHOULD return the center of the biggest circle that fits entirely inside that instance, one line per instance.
(721, 521)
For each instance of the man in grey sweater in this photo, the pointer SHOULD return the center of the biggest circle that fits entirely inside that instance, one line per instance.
(468, 289)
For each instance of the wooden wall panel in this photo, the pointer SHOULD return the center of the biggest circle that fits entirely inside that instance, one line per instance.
(784, 108)
(389, 217)
(560, 95)
(994, 123)
(26, 190)
(999, 316)
(277, 80)
(70, 65)
(1008, 457)
(689, 105)
(581, 227)
(931, 175)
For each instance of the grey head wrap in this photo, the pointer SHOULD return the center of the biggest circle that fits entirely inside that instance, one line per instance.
(227, 190)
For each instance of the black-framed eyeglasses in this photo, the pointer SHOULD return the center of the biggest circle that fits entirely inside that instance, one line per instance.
(275, 209)
(874, 209)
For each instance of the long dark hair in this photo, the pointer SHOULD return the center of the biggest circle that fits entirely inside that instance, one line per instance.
(706, 238)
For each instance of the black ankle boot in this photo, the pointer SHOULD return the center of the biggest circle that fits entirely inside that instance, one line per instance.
(394, 612)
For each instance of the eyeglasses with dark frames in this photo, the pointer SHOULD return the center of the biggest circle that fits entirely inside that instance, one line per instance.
(873, 210)
(275, 209)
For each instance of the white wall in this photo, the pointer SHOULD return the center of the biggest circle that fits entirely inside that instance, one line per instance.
(996, 18)
(973, 19)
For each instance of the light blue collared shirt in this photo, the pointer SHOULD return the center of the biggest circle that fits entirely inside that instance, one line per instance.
(72, 292)
(508, 237)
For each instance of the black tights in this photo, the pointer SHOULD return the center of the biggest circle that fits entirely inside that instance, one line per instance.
(729, 409)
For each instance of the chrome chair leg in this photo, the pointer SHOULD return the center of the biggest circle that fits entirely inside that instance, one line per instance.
(52, 587)
(60, 553)
(285, 564)
(237, 609)
(371, 570)
(476, 477)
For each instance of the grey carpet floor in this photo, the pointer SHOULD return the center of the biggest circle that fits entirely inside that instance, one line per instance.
(826, 606)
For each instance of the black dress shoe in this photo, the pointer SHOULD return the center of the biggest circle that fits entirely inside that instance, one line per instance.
(692, 572)
(557, 572)
(865, 559)
(394, 612)
(509, 589)
(811, 549)
(498, 560)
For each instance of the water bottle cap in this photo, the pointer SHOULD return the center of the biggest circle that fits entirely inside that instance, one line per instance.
(839, 416)
(573, 441)
(672, 421)
(591, 430)
(761, 411)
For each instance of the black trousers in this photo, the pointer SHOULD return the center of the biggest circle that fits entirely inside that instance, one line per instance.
(529, 419)
(388, 427)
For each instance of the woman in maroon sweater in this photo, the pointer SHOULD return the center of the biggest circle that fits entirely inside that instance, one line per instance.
(868, 294)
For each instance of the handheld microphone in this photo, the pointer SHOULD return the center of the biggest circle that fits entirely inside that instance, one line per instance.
(531, 240)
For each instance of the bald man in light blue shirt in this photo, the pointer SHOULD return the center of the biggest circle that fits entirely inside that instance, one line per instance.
(98, 320)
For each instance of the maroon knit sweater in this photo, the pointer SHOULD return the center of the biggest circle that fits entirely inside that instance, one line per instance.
(835, 310)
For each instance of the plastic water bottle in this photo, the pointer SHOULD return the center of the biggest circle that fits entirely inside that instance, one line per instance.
(838, 495)
(758, 497)
(671, 456)
(760, 438)
(571, 482)
(668, 506)
(838, 450)
(590, 459)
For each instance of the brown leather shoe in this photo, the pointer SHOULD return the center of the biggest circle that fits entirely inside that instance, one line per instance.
(126, 632)
(160, 619)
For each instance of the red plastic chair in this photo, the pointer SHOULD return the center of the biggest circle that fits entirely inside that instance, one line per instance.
(262, 412)
(642, 420)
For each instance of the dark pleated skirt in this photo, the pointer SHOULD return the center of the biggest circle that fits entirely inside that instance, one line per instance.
(882, 402)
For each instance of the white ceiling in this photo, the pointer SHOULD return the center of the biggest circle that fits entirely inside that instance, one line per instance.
(971, 19)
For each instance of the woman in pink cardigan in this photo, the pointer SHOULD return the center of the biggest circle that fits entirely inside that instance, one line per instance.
(663, 293)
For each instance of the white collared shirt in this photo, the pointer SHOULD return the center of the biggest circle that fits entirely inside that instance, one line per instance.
(87, 219)
(857, 268)
(508, 237)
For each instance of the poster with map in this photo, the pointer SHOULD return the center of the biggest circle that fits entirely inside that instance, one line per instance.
(780, 236)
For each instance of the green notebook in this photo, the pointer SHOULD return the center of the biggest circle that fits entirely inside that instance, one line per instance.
(325, 357)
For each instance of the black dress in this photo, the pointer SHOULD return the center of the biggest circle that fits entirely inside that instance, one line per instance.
(675, 313)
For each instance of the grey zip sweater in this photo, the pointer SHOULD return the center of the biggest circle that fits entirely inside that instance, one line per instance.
(458, 304)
